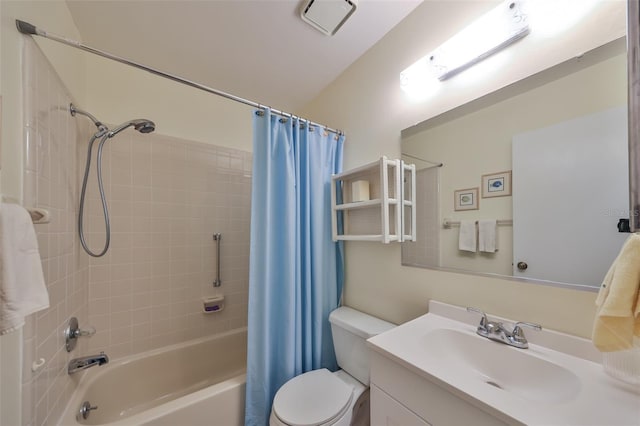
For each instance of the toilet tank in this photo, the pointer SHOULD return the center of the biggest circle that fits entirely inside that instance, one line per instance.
(351, 329)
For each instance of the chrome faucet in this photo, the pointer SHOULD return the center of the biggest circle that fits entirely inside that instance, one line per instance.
(84, 362)
(496, 331)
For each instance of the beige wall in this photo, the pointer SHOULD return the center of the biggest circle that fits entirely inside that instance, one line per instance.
(117, 93)
(366, 101)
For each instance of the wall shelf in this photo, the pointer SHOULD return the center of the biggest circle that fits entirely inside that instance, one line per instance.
(359, 204)
(380, 213)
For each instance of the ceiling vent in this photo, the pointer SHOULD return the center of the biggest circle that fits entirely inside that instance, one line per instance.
(327, 16)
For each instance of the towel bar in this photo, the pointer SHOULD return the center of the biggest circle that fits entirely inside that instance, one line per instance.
(448, 223)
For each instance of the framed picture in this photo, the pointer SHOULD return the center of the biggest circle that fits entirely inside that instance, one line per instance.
(466, 199)
(496, 184)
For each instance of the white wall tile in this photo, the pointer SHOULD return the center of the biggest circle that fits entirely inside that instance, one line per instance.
(161, 262)
(166, 198)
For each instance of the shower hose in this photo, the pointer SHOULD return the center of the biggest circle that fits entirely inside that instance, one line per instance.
(104, 135)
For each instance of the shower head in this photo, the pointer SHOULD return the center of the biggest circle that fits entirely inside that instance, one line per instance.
(147, 126)
(142, 125)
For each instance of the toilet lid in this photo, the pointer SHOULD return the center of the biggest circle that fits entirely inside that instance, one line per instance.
(312, 398)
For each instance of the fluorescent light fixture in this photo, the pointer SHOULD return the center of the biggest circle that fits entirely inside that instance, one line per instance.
(491, 33)
(417, 80)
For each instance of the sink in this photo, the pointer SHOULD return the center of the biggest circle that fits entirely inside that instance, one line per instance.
(443, 372)
(512, 370)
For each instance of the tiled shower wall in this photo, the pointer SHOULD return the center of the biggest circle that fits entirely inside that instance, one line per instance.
(166, 198)
(50, 182)
(425, 251)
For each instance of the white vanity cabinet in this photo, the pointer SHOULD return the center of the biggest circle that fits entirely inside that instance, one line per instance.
(374, 202)
(387, 411)
(437, 370)
(401, 397)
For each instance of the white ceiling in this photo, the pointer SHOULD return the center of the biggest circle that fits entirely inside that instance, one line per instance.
(259, 49)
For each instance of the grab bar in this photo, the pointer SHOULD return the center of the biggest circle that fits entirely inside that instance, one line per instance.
(217, 237)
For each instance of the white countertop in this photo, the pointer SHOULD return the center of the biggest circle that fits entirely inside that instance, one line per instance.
(595, 399)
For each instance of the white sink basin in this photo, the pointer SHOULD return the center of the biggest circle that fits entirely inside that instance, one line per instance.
(558, 380)
(496, 364)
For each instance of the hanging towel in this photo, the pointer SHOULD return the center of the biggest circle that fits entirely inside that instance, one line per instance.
(618, 313)
(487, 236)
(22, 287)
(467, 237)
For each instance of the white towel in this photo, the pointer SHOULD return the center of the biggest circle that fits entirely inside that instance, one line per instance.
(22, 287)
(487, 236)
(467, 237)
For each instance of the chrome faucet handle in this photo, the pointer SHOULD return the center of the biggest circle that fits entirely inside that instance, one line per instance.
(482, 327)
(517, 329)
(90, 331)
(73, 331)
(518, 335)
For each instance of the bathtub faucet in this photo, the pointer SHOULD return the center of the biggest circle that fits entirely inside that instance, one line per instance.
(84, 362)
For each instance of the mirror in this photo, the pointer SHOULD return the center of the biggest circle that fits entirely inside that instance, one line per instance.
(543, 157)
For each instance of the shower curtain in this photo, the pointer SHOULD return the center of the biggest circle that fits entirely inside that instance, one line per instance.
(296, 270)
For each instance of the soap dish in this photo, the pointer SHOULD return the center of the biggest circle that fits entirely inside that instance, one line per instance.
(211, 305)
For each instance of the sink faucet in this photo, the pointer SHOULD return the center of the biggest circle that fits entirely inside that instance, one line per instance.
(84, 362)
(496, 331)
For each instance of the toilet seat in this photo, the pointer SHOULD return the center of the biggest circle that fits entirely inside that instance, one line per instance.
(311, 399)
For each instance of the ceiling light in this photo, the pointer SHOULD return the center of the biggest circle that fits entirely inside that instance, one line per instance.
(417, 81)
(327, 16)
(489, 34)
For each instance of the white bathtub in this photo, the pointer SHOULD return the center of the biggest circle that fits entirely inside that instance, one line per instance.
(200, 382)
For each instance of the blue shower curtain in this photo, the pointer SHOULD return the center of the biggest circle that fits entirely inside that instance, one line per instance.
(296, 270)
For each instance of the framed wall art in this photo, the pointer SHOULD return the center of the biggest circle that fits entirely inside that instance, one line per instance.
(466, 199)
(496, 184)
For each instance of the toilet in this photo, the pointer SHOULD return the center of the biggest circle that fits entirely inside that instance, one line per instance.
(320, 397)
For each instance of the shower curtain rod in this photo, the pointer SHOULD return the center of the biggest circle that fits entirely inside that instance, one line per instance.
(27, 28)
(422, 159)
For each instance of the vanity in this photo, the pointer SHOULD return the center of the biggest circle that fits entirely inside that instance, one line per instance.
(436, 370)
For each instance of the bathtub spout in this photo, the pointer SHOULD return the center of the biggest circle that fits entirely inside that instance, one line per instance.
(82, 363)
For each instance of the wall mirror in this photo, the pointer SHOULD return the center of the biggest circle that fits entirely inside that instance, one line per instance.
(555, 148)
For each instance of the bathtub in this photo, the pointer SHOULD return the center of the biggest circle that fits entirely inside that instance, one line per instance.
(200, 382)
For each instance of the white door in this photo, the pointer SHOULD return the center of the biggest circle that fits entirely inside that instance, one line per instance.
(570, 187)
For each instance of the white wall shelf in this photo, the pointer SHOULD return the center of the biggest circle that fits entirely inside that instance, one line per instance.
(408, 201)
(359, 204)
(380, 217)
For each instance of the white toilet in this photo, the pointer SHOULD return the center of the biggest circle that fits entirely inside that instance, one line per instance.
(320, 397)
